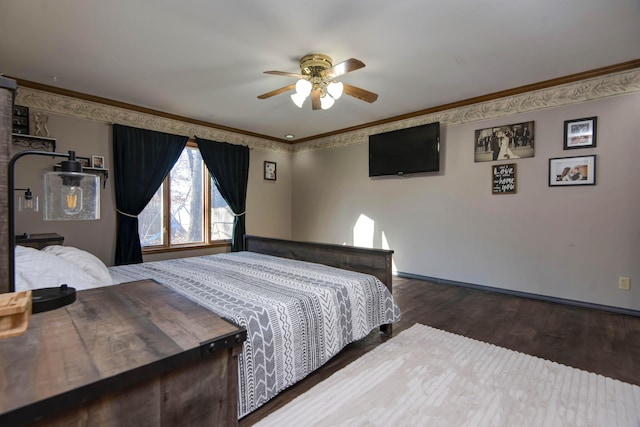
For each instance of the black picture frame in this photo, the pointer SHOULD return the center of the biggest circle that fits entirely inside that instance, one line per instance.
(504, 179)
(505, 142)
(580, 133)
(270, 171)
(570, 171)
(84, 161)
(20, 120)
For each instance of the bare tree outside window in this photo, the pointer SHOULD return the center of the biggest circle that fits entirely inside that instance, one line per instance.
(184, 204)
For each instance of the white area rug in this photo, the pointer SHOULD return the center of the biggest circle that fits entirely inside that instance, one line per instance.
(428, 377)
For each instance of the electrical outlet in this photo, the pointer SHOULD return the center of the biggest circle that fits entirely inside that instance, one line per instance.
(624, 283)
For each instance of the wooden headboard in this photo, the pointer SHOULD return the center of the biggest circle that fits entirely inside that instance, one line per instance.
(376, 262)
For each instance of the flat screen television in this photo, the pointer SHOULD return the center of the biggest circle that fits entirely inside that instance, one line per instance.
(405, 151)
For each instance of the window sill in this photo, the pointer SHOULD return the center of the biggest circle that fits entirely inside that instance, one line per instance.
(158, 250)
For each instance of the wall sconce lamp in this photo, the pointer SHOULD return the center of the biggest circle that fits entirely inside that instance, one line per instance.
(69, 195)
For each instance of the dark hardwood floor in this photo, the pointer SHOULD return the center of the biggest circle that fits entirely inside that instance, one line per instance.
(594, 340)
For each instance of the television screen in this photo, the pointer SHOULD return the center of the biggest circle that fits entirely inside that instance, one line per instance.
(405, 151)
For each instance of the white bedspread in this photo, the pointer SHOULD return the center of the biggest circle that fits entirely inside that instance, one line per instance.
(297, 314)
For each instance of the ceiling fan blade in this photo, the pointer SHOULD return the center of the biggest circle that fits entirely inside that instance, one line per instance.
(276, 92)
(356, 92)
(344, 67)
(315, 100)
(286, 74)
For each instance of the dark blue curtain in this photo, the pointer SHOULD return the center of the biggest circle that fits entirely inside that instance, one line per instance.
(141, 160)
(228, 164)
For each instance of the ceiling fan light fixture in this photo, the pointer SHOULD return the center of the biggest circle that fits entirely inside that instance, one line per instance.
(326, 102)
(303, 87)
(335, 89)
(317, 79)
(298, 99)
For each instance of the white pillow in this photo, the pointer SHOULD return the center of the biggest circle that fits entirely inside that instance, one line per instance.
(36, 269)
(83, 259)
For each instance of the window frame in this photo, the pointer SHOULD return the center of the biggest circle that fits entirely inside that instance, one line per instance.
(167, 246)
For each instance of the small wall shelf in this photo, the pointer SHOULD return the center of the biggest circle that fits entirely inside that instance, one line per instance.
(103, 173)
(32, 142)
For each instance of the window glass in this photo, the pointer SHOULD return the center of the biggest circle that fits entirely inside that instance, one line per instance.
(187, 198)
(221, 216)
(150, 221)
(181, 203)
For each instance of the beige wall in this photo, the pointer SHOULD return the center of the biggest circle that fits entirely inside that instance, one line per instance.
(86, 138)
(569, 242)
(268, 202)
(563, 242)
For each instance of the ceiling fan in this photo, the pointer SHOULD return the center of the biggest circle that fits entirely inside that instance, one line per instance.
(317, 78)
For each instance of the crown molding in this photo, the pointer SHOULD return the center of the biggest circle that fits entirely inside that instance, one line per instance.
(95, 111)
(558, 96)
(590, 89)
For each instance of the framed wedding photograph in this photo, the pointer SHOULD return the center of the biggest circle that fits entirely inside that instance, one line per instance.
(270, 171)
(579, 170)
(506, 142)
(580, 133)
(97, 162)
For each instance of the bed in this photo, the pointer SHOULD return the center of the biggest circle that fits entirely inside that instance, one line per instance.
(301, 303)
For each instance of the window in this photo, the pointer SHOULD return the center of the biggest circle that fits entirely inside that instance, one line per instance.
(187, 211)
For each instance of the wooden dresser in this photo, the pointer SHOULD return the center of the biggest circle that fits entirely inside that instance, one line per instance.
(136, 354)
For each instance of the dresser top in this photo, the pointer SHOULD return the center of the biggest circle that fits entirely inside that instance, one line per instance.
(108, 339)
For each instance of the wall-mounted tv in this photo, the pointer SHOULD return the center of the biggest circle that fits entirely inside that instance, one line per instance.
(405, 151)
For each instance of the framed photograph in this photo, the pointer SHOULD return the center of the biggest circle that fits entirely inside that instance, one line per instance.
(503, 179)
(97, 162)
(20, 120)
(270, 171)
(507, 142)
(580, 170)
(84, 161)
(580, 133)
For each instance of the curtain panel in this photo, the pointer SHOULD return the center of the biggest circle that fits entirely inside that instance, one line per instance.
(142, 159)
(228, 164)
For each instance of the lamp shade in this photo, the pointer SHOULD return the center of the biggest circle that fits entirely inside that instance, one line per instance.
(335, 89)
(298, 99)
(27, 202)
(71, 196)
(303, 87)
(326, 102)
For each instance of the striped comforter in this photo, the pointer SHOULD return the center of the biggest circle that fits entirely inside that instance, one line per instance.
(297, 314)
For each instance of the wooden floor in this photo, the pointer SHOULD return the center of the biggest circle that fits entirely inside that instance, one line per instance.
(593, 340)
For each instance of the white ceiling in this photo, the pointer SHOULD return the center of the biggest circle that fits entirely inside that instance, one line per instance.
(204, 59)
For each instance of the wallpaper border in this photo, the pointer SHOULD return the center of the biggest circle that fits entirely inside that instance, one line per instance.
(571, 93)
(77, 108)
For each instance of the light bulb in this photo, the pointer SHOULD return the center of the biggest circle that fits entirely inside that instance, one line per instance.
(298, 99)
(303, 87)
(326, 102)
(71, 196)
(71, 199)
(335, 89)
